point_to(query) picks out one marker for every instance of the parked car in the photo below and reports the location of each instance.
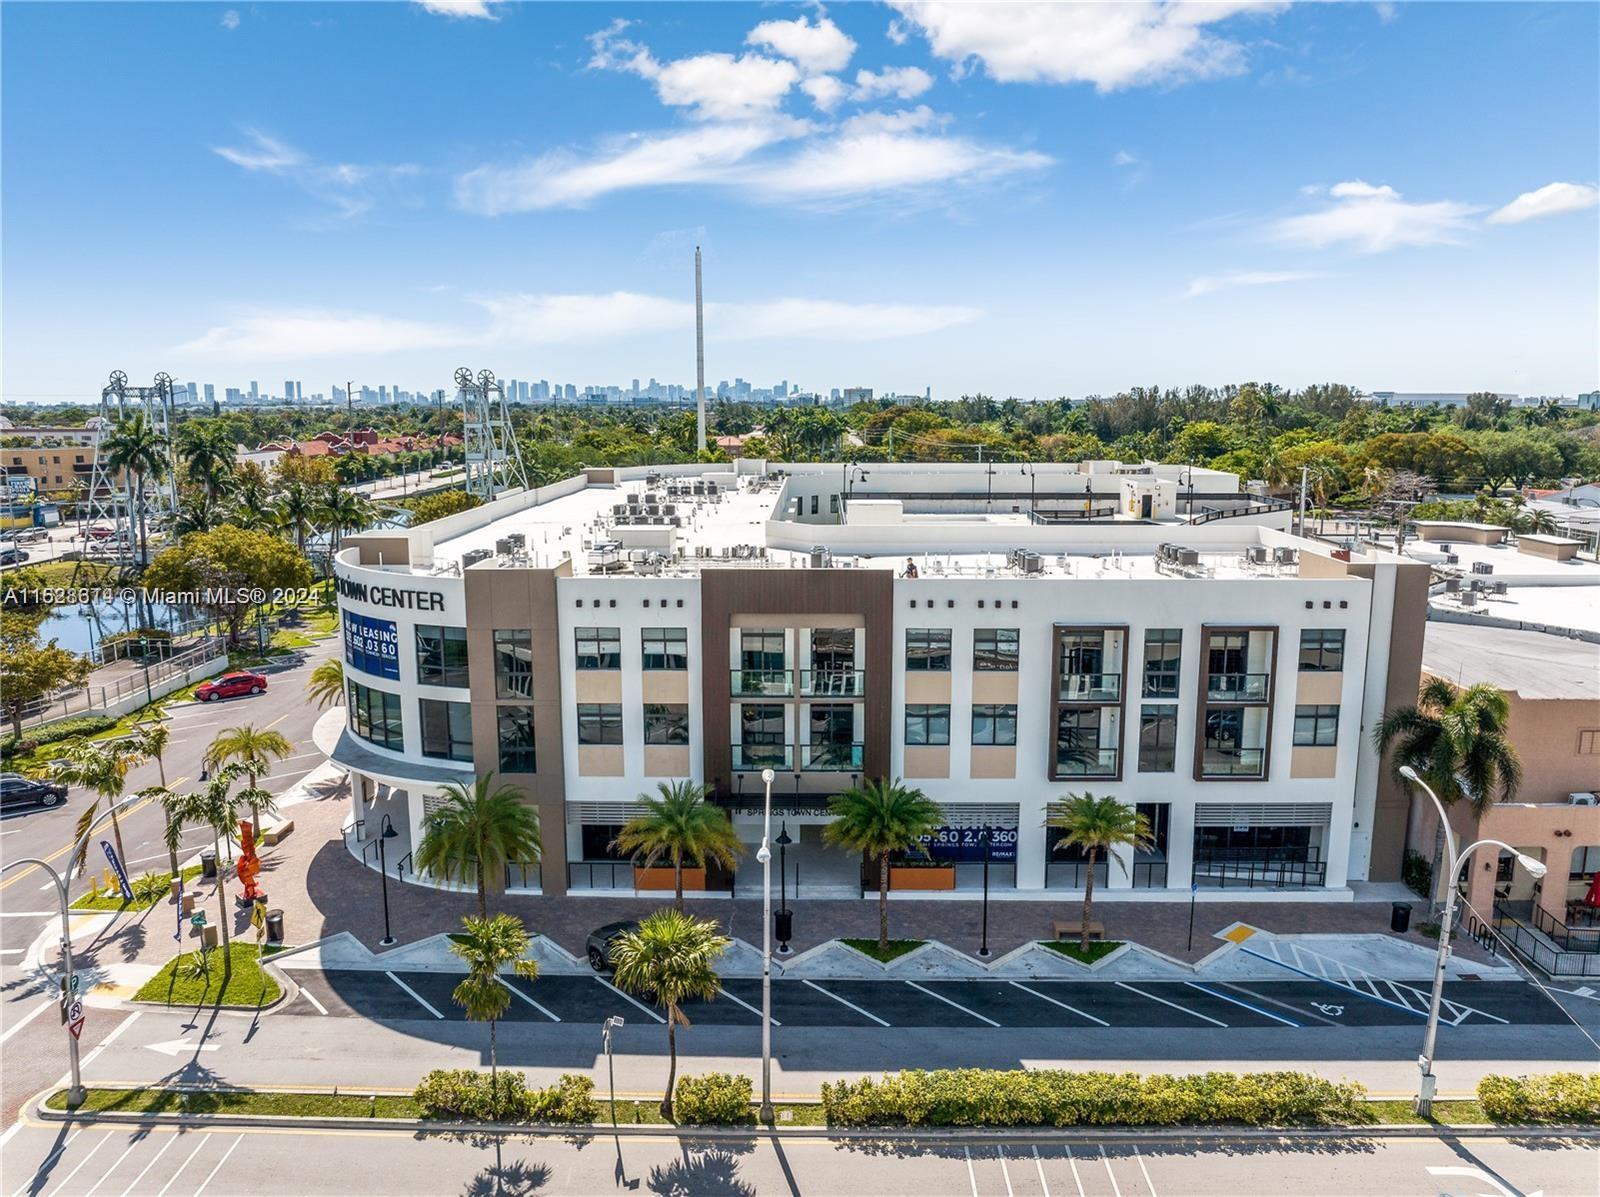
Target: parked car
(31, 535)
(600, 941)
(12, 556)
(101, 532)
(231, 685)
(17, 790)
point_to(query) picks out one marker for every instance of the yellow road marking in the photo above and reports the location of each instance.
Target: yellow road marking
(1239, 934)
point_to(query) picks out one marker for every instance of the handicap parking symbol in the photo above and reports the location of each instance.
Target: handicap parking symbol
(1331, 1011)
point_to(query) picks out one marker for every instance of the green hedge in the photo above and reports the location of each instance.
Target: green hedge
(716, 1099)
(1557, 1097)
(463, 1093)
(1048, 1097)
(65, 729)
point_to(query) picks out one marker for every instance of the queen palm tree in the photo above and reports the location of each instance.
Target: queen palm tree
(488, 946)
(326, 686)
(1097, 825)
(101, 767)
(669, 960)
(253, 751)
(477, 831)
(879, 818)
(680, 826)
(137, 447)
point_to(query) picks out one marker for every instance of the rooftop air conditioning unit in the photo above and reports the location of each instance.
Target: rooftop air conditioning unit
(819, 557)
(503, 547)
(517, 540)
(473, 556)
(1582, 799)
(1452, 585)
(1452, 558)
(1032, 563)
(1285, 555)
(1483, 567)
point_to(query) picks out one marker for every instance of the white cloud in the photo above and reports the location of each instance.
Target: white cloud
(351, 188)
(461, 9)
(1206, 284)
(1373, 219)
(713, 86)
(297, 333)
(817, 47)
(1109, 45)
(1123, 158)
(1555, 199)
(825, 91)
(262, 153)
(904, 83)
(230, 19)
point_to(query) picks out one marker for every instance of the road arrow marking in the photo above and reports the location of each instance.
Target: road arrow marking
(173, 1047)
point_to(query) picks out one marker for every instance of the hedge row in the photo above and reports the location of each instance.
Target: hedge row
(1048, 1097)
(463, 1093)
(1558, 1097)
(716, 1099)
(65, 729)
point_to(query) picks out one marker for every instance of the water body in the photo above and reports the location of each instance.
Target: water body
(79, 627)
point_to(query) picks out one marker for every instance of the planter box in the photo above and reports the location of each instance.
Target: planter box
(661, 879)
(922, 879)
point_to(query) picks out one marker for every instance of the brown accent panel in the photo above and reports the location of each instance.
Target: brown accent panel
(380, 550)
(992, 686)
(1056, 704)
(1316, 687)
(927, 760)
(1205, 685)
(1306, 760)
(992, 760)
(727, 593)
(522, 598)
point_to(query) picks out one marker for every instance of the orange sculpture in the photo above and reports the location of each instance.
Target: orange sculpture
(248, 866)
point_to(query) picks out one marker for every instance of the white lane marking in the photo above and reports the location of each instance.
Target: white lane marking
(28, 914)
(630, 998)
(1477, 1174)
(422, 1001)
(515, 992)
(1063, 1005)
(756, 1010)
(1106, 1160)
(852, 1005)
(27, 1018)
(171, 1139)
(972, 1177)
(1271, 1001)
(13, 1129)
(15, 951)
(49, 1159)
(47, 885)
(1004, 1171)
(948, 1002)
(101, 1142)
(1134, 989)
(1216, 993)
(204, 1139)
(311, 997)
(1145, 1172)
(106, 1042)
(229, 1152)
(1071, 1159)
(106, 1175)
(1044, 1185)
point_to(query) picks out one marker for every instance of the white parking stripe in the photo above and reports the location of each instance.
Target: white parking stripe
(1242, 1005)
(311, 997)
(106, 1175)
(49, 1159)
(515, 992)
(629, 998)
(1055, 1002)
(229, 1152)
(104, 1139)
(852, 1005)
(1145, 1172)
(1217, 1022)
(171, 1139)
(972, 1177)
(204, 1139)
(1071, 1159)
(948, 1002)
(756, 1010)
(1004, 1171)
(422, 1001)
(27, 1018)
(1044, 1185)
(1106, 1160)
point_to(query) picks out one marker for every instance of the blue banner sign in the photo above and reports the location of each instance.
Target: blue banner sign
(371, 645)
(116, 867)
(966, 844)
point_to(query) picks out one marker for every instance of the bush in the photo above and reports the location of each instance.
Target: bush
(427, 508)
(63, 729)
(1049, 1097)
(463, 1093)
(716, 1099)
(1558, 1097)
(1417, 872)
(570, 1099)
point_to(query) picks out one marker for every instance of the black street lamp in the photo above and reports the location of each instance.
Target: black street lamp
(386, 832)
(785, 923)
(983, 838)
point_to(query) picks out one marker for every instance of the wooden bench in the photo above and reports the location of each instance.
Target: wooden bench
(1064, 929)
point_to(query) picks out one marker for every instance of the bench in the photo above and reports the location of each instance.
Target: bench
(273, 832)
(1064, 929)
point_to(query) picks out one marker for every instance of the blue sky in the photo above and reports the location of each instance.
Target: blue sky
(1029, 200)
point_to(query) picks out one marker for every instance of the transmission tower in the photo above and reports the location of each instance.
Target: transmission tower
(110, 499)
(494, 460)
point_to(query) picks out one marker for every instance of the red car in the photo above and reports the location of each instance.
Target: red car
(231, 685)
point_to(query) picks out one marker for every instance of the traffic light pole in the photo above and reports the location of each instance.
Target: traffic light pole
(75, 1092)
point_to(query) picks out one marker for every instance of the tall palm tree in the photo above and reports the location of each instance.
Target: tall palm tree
(669, 960)
(488, 946)
(253, 751)
(208, 457)
(680, 826)
(151, 739)
(345, 511)
(296, 510)
(1097, 825)
(477, 831)
(101, 767)
(137, 447)
(879, 818)
(326, 686)
(212, 807)
(197, 512)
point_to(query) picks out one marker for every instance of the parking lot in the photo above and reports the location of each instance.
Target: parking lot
(400, 996)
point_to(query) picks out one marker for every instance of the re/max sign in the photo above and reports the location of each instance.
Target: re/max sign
(390, 596)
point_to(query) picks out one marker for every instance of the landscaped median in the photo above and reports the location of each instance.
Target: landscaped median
(1045, 1099)
(197, 979)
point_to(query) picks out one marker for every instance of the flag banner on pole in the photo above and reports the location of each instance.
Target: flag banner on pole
(116, 867)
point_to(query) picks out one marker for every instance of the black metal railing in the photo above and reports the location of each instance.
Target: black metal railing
(401, 865)
(1149, 874)
(1261, 507)
(1086, 762)
(751, 757)
(758, 683)
(1090, 687)
(1232, 762)
(600, 874)
(1568, 939)
(833, 683)
(519, 871)
(1258, 868)
(1542, 954)
(1237, 687)
(1072, 874)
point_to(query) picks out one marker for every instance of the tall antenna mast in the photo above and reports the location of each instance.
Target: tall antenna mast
(699, 361)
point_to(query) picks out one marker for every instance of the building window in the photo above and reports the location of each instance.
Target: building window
(1321, 650)
(1158, 738)
(1589, 741)
(375, 717)
(761, 650)
(599, 723)
(813, 504)
(446, 729)
(994, 723)
(927, 724)
(994, 650)
(1585, 863)
(928, 649)
(599, 648)
(1316, 726)
(515, 730)
(666, 723)
(665, 648)
(1163, 658)
(513, 663)
(441, 655)
(833, 504)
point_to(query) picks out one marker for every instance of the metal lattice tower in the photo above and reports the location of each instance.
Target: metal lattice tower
(490, 442)
(115, 503)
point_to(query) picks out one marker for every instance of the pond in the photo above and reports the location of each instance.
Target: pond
(79, 627)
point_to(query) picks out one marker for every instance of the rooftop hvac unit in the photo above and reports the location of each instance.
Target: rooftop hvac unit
(1258, 554)
(1445, 548)
(473, 556)
(1499, 588)
(1581, 799)
(1032, 563)
(819, 557)
(517, 540)
(1188, 557)
(1469, 598)
(1452, 558)
(503, 547)
(1452, 585)
(1482, 567)
(1284, 555)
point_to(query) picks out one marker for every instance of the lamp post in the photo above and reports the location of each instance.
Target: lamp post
(851, 473)
(614, 1023)
(75, 1094)
(764, 855)
(1033, 492)
(1428, 1082)
(983, 838)
(783, 841)
(386, 831)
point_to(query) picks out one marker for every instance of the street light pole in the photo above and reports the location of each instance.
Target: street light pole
(611, 1024)
(75, 1094)
(764, 855)
(983, 838)
(386, 831)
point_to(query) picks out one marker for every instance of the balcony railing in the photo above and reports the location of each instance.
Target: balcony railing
(833, 683)
(831, 758)
(1091, 687)
(1149, 874)
(776, 683)
(748, 757)
(600, 874)
(1232, 762)
(1071, 874)
(1086, 762)
(1259, 868)
(1237, 687)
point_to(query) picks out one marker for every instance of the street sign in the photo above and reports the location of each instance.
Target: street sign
(258, 920)
(74, 1017)
(76, 1027)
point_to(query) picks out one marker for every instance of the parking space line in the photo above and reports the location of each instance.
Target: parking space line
(1244, 1005)
(310, 997)
(420, 999)
(106, 1175)
(1005, 1173)
(972, 1177)
(229, 1152)
(948, 1002)
(1116, 1189)
(515, 992)
(852, 1005)
(1076, 1179)
(1143, 1171)
(171, 1139)
(1054, 1002)
(629, 998)
(1272, 1001)
(104, 1139)
(753, 1009)
(1038, 1163)
(1216, 1022)
(49, 1159)
(173, 1178)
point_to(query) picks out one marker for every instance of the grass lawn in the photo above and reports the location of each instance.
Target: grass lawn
(1447, 1113)
(159, 890)
(243, 1101)
(248, 986)
(1072, 950)
(897, 948)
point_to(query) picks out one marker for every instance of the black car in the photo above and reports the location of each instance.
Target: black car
(12, 556)
(17, 790)
(600, 941)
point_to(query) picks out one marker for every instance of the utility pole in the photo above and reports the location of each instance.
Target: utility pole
(350, 405)
(699, 361)
(1305, 474)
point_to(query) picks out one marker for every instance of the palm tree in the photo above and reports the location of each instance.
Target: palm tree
(211, 807)
(326, 686)
(345, 511)
(296, 511)
(137, 447)
(208, 458)
(101, 767)
(253, 751)
(681, 826)
(879, 818)
(670, 960)
(151, 739)
(489, 945)
(477, 831)
(1097, 825)
(198, 512)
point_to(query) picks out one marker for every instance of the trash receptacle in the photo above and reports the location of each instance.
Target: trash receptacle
(208, 863)
(783, 925)
(1400, 917)
(275, 926)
